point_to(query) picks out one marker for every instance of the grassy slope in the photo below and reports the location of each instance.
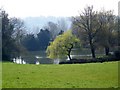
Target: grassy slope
(97, 75)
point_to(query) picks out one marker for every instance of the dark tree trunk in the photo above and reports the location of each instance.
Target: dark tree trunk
(69, 51)
(107, 50)
(92, 51)
(69, 57)
(92, 46)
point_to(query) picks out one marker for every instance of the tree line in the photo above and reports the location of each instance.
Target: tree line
(95, 30)
(17, 41)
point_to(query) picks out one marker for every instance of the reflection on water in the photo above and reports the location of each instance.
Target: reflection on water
(38, 57)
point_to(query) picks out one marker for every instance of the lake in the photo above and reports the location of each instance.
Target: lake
(40, 57)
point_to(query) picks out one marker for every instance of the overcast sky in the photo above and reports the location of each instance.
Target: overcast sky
(33, 8)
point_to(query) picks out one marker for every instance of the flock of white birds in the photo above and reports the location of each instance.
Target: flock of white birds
(19, 60)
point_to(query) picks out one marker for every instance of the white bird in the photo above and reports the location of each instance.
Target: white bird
(37, 63)
(56, 61)
(23, 62)
(17, 60)
(14, 60)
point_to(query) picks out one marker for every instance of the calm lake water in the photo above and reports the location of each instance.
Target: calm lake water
(40, 57)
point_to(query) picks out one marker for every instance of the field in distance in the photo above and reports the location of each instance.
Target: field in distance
(93, 75)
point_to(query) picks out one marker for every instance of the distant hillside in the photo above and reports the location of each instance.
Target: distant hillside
(33, 22)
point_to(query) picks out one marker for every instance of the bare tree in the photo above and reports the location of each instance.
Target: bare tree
(62, 24)
(19, 32)
(19, 28)
(87, 24)
(107, 31)
(53, 28)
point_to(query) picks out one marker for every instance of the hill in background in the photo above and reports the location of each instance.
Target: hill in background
(32, 23)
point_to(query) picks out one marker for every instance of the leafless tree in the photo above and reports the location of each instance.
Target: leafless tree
(87, 26)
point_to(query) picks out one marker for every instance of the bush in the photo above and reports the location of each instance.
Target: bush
(117, 54)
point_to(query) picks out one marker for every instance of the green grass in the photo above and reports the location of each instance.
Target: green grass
(94, 75)
(0, 74)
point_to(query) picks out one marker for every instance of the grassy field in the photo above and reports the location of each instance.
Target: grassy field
(94, 75)
(0, 74)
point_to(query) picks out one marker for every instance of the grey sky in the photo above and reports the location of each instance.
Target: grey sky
(33, 8)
